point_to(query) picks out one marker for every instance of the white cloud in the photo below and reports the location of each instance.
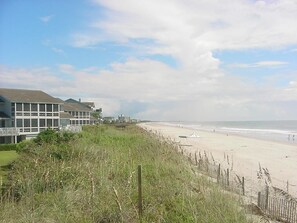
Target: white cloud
(188, 32)
(85, 40)
(58, 50)
(165, 93)
(260, 64)
(47, 18)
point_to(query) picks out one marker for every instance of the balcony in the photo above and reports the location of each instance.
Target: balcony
(9, 131)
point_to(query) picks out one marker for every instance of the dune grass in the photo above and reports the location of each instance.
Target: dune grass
(93, 178)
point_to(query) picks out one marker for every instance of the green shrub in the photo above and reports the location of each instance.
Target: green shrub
(24, 145)
(7, 147)
(53, 137)
(47, 136)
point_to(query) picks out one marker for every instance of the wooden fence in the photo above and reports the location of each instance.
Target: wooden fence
(279, 206)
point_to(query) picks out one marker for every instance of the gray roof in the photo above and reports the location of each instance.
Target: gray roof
(65, 115)
(35, 96)
(89, 103)
(76, 107)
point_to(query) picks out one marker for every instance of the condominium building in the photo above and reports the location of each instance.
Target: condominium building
(25, 113)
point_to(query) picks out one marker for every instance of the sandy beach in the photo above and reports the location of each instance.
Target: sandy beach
(244, 153)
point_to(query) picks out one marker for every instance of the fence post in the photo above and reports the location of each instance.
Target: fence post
(266, 198)
(139, 193)
(1, 183)
(196, 161)
(228, 177)
(219, 172)
(190, 158)
(259, 199)
(243, 191)
(287, 186)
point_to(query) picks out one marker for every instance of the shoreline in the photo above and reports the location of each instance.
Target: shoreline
(247, 153)
(251, 135)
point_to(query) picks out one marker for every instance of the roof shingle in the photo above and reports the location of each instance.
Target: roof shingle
(27, 96)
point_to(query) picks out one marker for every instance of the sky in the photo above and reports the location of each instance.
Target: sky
(168, 60)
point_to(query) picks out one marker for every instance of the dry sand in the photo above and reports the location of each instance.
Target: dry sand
(279, 158)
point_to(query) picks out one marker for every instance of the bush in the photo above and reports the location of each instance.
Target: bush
(24, 145)
(53, 137)
(47, 136)
(7, 147)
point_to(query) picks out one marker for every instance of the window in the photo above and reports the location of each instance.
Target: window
(19, 123)
(49, 122)
(41, 122)
(49, 107)
(19, 107)
(26, 107)
(33, 107)
(56, 108)
(26, 122)
(42, 107)
(34, 122)
(56, 122)
(12, 107)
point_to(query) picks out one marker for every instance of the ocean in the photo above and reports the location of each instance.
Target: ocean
(282, 131)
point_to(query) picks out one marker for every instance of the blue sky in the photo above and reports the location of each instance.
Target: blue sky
(167, 60)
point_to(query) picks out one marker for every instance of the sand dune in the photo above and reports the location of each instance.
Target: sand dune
(279, 158)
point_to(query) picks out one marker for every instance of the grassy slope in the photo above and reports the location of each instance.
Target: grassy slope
(6, 157)
(94, 180)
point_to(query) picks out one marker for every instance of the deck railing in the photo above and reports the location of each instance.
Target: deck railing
(9, 131)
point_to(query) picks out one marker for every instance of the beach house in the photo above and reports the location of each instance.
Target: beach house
(25, 113)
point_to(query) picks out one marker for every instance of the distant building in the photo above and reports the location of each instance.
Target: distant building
(109, 119)
(25, 113)
(123, 119)
(81, 113)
